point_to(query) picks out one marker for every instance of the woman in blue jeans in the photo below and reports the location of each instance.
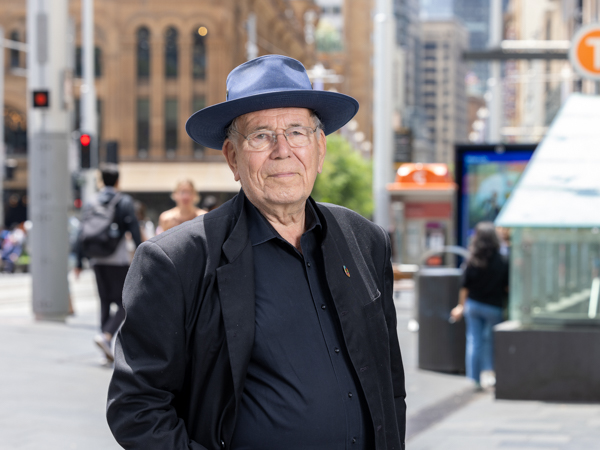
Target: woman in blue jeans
(485, 285)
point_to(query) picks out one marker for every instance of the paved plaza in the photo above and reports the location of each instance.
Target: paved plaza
(53, 388)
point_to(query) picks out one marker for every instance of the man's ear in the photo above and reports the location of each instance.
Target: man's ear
(322, 146)
(231, 158)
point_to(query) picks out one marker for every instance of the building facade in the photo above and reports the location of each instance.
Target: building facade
(155, 65)
(444, 90)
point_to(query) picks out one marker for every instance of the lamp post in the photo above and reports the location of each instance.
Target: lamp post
(383, 112)
(48, 142)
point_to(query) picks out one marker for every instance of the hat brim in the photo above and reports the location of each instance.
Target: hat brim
(207, 126)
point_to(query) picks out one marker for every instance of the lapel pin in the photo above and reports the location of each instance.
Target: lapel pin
(346, 271)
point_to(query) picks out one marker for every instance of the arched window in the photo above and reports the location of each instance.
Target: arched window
(171, 53)
(143, 53)
(199, 54)
(15, 55)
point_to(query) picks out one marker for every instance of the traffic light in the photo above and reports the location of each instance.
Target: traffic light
(41, 99)
(85, 144)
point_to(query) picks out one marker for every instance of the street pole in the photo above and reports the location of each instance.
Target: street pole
(383, 111)
(2, 151)
(48, 142)
(495, 82)
(251, 47)
(89, 124)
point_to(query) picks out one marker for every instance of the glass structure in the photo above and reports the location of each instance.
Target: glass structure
(554, 217)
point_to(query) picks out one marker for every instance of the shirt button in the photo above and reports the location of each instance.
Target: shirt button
(354, 440)
(337, 350)
(308, 264)
(323, 307)
(350, 394)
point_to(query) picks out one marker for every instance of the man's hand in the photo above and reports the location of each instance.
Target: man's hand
(76, 272)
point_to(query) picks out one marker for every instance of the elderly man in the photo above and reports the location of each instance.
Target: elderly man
(267, 324)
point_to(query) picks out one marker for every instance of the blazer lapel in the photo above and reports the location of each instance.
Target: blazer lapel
(236, 293)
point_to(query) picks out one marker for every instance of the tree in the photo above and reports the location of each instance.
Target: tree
(346, 179)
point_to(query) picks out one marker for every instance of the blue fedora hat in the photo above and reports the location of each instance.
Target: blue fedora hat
(272, 81)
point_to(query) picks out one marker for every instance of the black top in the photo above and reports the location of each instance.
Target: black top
(489, 284)
(301, 391)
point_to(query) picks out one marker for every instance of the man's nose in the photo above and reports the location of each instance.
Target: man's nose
(281, 147)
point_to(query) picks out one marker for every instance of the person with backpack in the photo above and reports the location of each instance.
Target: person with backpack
(102, 241)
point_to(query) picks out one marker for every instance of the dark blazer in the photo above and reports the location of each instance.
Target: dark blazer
(182, 353)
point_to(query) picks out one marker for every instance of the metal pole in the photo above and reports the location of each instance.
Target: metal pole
(251, 47)
(383, 112)
(89, 121)
(2, 151)
(48, 141)
(495, 82)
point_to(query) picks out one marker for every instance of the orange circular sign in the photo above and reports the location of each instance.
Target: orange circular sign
(585, 52)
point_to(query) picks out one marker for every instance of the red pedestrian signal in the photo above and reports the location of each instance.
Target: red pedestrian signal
(41, 99)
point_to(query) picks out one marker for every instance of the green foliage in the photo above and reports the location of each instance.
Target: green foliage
(346, 179)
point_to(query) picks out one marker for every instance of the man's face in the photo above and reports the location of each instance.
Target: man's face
(278, 175)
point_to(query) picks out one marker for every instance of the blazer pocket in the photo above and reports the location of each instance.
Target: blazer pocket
(374, 306)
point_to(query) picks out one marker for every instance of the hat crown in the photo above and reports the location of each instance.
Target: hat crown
(270, 73)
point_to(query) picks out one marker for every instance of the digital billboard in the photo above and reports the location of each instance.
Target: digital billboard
(486, 176)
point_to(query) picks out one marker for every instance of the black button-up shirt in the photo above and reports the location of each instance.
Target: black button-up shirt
(301, 391)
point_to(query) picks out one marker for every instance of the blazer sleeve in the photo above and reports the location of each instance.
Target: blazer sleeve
(395, 354)
(150, 357)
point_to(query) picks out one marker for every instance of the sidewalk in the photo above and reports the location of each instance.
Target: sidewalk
(53, 389)
(52, 382)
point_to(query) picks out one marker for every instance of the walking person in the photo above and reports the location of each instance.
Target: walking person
(268, 323)
(107, 251)
(186, 198)
(481, 298)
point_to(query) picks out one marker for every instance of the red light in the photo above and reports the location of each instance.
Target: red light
(40, 99)
(85, 140)
(77, 203)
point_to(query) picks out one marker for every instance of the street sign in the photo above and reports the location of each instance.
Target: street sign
(585, 51)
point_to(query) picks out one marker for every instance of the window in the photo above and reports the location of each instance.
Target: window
(15, 55)
(199, 55)
(171, 127)
(97, 62)
(171, 52)
(143, 53)
(143, 127)
(198, 103)
(430, 45)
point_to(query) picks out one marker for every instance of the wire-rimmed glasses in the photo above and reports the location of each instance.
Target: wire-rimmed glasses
(264, 139)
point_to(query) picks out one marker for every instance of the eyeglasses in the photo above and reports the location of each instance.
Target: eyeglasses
(263, 139)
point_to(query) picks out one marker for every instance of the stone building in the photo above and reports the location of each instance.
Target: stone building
(156, 63)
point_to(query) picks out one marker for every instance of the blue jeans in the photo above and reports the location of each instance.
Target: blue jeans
(480, 319)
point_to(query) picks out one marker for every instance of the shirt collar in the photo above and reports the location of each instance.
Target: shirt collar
(260, 230)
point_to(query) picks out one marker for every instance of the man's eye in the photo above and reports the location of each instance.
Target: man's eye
(261, 136)
(297, 133)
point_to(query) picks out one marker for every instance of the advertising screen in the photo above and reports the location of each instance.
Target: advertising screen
(486, 177)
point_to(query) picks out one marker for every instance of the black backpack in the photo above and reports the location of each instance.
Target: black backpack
(100, 234)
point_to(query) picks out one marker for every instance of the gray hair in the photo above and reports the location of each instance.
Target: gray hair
(232, 127)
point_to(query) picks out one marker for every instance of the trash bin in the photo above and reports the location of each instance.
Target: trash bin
(441, 342)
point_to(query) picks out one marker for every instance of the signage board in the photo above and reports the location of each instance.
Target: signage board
(585, 51)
